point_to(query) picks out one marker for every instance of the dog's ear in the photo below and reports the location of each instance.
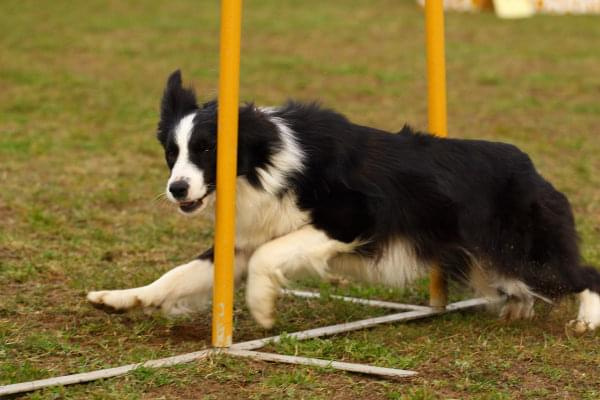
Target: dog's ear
(177, 102)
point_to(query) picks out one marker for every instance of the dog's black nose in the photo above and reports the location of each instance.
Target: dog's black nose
(179, 189)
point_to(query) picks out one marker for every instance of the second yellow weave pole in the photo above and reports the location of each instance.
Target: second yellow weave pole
(438, 121)
(228, 112)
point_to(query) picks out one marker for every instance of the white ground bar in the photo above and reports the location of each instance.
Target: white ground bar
(343, 366)
(366, 302)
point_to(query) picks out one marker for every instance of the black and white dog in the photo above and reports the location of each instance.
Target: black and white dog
(318, 193)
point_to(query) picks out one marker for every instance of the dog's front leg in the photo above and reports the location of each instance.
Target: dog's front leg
(183, 290)
(278, 260)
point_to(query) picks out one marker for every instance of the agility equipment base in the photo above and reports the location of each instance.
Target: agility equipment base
(247, 349)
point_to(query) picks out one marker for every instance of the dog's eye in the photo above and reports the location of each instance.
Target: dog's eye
(171, 156)
(206, 148)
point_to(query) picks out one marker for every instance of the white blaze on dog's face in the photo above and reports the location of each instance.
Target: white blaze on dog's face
(188, 135)
(186, 185)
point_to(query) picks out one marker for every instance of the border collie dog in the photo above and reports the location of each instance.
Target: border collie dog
(317, 193)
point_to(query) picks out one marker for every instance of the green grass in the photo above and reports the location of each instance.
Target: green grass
(80, 171)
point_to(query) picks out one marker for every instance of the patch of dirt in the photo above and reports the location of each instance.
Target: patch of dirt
(6, 214)
(194, 332)
(7, 253)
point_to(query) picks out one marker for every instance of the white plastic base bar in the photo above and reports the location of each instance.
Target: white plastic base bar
(364, 323)
(366, 302)
(101, 374)
(343, 366)
(249, 345)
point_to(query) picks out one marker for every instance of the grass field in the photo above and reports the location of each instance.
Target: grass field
(80, 171)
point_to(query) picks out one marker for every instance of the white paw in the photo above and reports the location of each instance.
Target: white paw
(150, 300)
(515, 309)
(264, 319)
(118, 300)
(588, 317)
(580, 327)
(261, 293)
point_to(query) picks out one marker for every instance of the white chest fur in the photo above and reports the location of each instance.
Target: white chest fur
(262, 216)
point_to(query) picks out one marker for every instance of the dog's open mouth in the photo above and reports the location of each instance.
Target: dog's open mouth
(190, 206)
(193, 205)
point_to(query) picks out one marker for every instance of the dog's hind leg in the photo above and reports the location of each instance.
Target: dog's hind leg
(183, 290)
(564, 279)
(542, 245)
(518, 298)
(557, 268)
(273, 263)
(588, 317)
(557, 279)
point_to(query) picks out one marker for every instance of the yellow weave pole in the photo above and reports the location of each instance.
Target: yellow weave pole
(436, 67)
(229, 87)
(438, 121)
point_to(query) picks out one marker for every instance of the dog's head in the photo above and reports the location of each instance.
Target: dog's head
(187, 133)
